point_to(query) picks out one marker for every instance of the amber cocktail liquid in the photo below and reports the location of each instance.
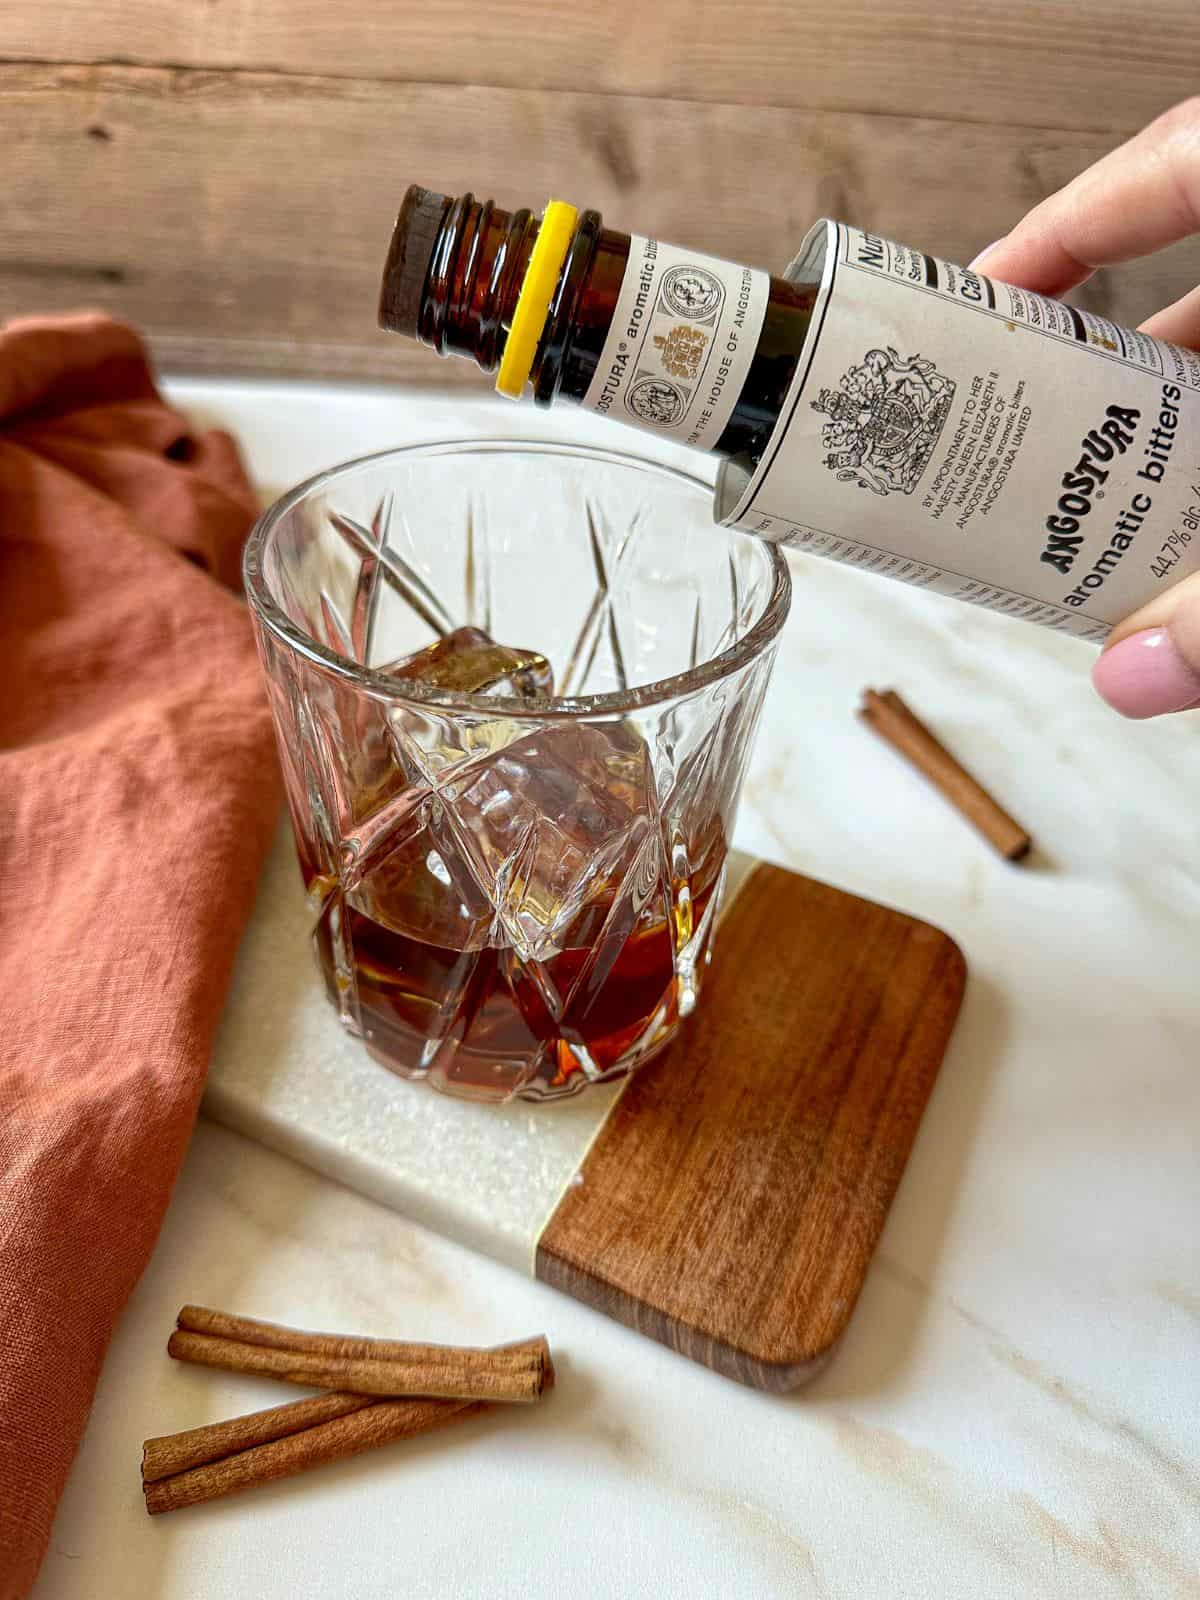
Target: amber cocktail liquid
(581, 959)
(513, 855)
(498, 1013)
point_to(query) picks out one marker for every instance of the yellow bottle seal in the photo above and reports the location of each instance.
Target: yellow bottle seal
(533, 303)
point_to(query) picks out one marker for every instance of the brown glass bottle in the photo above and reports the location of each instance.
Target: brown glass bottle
(877, 405)
(455, 270)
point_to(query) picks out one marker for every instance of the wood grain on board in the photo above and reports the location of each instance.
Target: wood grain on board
(241, 218)
(730, 1204)
(1102, 65)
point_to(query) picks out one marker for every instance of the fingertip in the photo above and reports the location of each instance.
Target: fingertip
(979, 263)
(1146, 675)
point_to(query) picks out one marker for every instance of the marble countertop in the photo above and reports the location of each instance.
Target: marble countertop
(1015, 1410)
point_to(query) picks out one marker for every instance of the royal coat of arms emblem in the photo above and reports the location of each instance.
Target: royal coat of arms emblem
(884, 421)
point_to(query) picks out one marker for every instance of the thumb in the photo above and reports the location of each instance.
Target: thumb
(1151, 661)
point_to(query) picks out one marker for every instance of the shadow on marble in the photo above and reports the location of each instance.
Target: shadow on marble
(575, 1398)
(355, 1473)
(1038, 860)
(276, 986)
(878, 1343)
(145, 1564)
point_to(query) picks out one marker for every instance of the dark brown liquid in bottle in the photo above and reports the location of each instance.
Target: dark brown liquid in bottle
(455, 271)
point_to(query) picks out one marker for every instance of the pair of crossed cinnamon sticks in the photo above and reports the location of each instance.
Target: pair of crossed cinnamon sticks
(382, 1390)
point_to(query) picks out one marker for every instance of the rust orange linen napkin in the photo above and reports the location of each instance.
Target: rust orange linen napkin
(138, 793)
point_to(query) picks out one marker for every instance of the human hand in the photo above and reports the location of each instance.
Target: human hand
(1137, 199)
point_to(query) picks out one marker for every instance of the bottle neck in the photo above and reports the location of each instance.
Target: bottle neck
(476, 269)
(468, 298)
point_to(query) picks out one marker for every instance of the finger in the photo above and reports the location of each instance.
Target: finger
(1137, 199)
(1151, 662)
(1178, 323)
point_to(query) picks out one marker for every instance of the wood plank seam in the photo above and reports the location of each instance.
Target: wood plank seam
(235, 219)
(284, 79)
(1032, 63)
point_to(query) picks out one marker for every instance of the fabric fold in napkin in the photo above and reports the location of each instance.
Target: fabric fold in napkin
(138, 793)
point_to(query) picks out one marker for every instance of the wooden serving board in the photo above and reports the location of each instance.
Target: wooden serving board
(725, 1201)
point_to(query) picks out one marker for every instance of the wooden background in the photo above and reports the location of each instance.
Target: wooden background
(225, 172)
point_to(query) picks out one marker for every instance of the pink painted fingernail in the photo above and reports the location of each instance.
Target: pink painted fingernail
(985, 252)
(1145, 675)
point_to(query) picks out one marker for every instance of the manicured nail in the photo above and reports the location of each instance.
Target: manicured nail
(1145, 675)
(985, 252)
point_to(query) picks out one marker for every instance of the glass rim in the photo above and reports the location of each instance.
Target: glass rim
(415, 691)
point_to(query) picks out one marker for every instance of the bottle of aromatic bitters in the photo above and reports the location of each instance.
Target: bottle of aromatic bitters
(872, 404)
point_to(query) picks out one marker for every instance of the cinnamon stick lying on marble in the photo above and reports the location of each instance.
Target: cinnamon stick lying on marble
(353, 1347)
(887, 715)
(172, 1453)
(371, 1424)
(188, 1468)
(513, 1375)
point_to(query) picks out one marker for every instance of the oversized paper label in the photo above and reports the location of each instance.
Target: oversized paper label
(978, 440)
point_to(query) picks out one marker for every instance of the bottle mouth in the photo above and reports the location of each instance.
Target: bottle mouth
(409, 258)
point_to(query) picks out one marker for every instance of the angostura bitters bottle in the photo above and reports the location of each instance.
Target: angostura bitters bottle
(872, 404)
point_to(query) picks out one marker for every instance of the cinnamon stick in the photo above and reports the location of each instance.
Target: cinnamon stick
(887, 715)
(516, 1375)
(171, 1453)
(374, 1424)
(274, 1336)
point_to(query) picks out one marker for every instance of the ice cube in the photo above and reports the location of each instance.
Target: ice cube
(471, 662)
(543, 856)
(556, 821)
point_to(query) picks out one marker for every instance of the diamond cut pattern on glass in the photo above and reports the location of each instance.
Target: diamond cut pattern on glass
(511, 901)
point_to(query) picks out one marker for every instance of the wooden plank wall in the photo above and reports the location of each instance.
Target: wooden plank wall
(225, 172)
